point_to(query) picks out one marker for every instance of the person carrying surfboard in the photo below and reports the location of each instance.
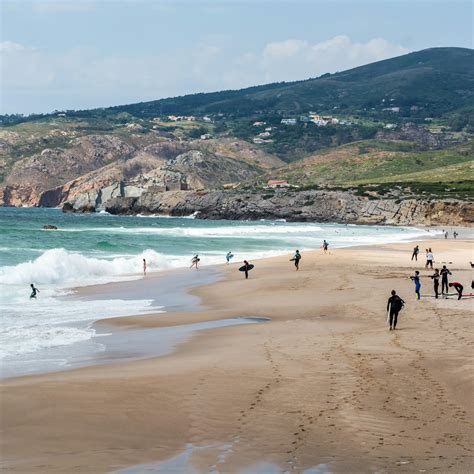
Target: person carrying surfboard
(325, 246)
(194, 262)
(296, 258)
(394, 306)
(246, 268)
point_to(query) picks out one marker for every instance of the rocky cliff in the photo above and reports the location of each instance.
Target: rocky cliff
(320, 206)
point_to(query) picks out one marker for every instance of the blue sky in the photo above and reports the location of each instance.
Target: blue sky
(66, 54)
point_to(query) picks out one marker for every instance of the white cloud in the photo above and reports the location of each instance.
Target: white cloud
(296, 59)
(34, 80)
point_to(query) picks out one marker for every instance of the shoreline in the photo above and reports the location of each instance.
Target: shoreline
(323, 382)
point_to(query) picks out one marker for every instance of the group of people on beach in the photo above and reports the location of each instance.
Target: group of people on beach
(436, 277)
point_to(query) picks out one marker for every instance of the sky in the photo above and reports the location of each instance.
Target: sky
(80, 54)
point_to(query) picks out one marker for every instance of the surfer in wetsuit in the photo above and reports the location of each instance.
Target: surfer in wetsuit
(415, 253)
(34, 291)
(458, 287)
(416, 280)
(247, 268)
(435, 277)
(228, 257)
(394, 306)
(297, 258)
(444, 279)
(144, 267)
(195, 261)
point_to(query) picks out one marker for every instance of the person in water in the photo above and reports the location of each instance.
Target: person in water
(415, 253)
(435, 277)
(458, 287)
(416, 280)
(144, 267)
(325, 246)
(246, 269)
(195, 261)
(455, 234)
(394, 306)
(34, 291)
(429, 259)
(228, 257)
(444, 279)
(297, 258)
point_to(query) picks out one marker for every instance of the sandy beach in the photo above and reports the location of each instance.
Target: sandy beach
(323, 386)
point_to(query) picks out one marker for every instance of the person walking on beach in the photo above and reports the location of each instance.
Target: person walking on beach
(297, 258)
(415, 253)
(394, 306)
(435, 277)
(446, 235)
(144, 267)
(325, 246)
(195, 261)
(416, 280)
(458, 287)
(34, 291)
(246, 269)
(444, 279)
(455, 234)
(228, 257)
(429, 259)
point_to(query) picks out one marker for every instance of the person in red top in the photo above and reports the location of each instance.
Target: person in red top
(458, 287)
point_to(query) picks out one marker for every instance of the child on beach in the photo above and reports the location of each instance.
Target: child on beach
(444, 279)
(325, 246)
(429, 259)
(435, 277)
(416, 280)
(458, 287)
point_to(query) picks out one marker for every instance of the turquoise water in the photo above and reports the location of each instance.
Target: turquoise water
(99, 248)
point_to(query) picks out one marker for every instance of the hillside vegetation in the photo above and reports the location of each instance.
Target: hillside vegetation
(407, 120)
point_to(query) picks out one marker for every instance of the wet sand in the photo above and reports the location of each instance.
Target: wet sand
(324, 383)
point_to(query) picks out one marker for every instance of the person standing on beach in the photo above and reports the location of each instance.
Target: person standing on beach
(444, 279)
(394, 306)
(144, 267)
(297, 258)
(246, 269)
(34, 291)
(458, 287)
(446, 235)
(416, 280)
(435, 278)
(325, 246)
(415, 253)
(195, 261)
(455, 234)
(429, 259)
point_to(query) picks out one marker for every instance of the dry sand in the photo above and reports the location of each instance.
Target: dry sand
(323, 383)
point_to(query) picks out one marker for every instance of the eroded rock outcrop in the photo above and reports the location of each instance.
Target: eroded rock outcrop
(320, 206)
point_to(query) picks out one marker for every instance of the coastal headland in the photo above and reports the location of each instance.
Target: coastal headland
(324, 385)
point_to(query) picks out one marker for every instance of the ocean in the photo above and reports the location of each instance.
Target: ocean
(99, 248)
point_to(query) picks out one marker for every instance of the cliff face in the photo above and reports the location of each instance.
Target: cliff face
(334, 206)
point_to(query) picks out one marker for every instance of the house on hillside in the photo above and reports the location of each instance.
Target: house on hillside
(288, 121)
(277, 183)
(206, 136)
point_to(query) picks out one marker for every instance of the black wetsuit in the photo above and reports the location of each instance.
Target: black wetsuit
(435, 278)
(444, 279)
(34, 291)
(247, 265)
(297, 258)
(415, 253)
(394, 305)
